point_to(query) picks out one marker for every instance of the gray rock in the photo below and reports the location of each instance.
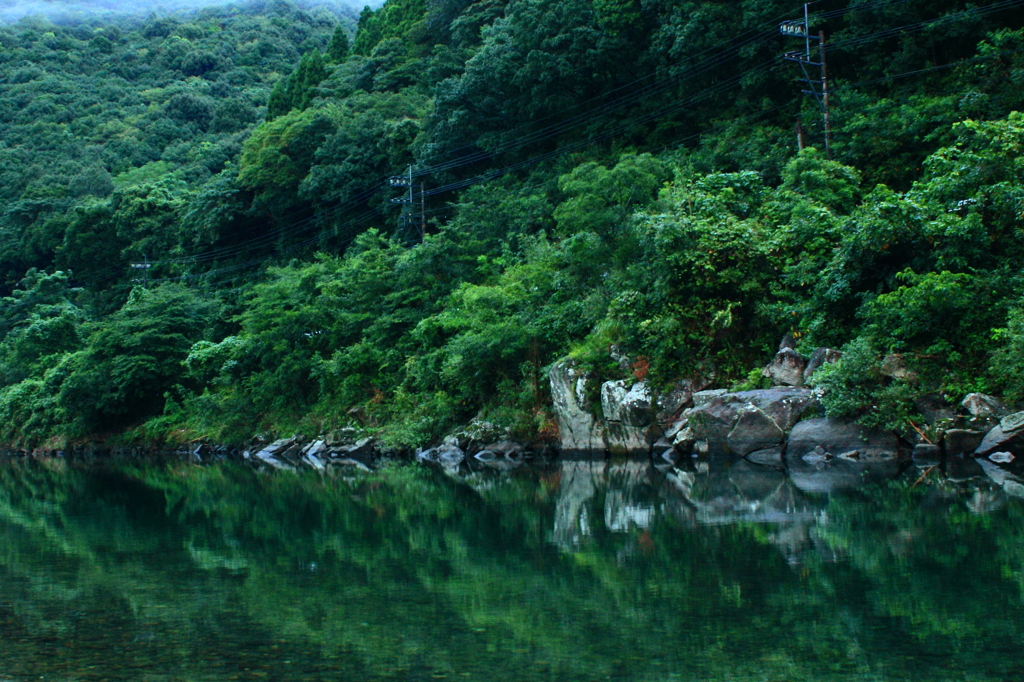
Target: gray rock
(671, 403)
(786, 369)
(578, 430)
(788, 341)
(961, 441)
(820, 357)
(927, 455)
(674, 428)
(445, 456)
(767, 415)
(269, 455)
(1012, 423)
(983, 405)
(684, 440)
(702, 398)
(713, 420)
(784, 405)
(315, 448)
(753, 430)
(629, 417)
(998, 439)
(1002, 457)
(628, 406)
(834, 436)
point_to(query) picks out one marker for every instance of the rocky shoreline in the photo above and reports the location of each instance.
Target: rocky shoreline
(781, 428)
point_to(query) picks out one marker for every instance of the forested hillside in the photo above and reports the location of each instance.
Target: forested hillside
(207, 226)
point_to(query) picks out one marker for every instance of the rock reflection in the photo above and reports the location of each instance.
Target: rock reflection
(538, 572)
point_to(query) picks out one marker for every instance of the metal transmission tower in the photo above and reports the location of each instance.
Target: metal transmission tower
(407, 201)
(802, 29)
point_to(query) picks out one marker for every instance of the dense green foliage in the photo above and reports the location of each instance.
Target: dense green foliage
(592, 173)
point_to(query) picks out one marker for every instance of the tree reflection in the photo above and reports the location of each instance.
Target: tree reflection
(583, 570)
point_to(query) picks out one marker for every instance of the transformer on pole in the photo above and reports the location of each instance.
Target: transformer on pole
(819, 87)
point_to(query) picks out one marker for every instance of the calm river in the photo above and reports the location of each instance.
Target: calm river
(578, 570)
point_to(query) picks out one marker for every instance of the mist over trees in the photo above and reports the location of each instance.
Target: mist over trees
(198, 234)
(63, 11)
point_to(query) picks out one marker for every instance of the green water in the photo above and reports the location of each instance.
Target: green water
(577, 571)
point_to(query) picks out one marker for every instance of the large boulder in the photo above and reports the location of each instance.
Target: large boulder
(1008, 435)
(784, 405)
(747, 421)
(824, 455)
(833, 438)
(578, 430)
(753, 430)
(984, 405)
(671, 403)
(627, 404)
(786, 368)
(629, 417)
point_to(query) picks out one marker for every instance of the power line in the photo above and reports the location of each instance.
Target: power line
(656, 87)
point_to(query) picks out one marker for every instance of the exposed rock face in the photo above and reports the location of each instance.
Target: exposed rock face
(786, 369)
(673, 402)
(983, 405)
(713, 420)
(702, 398)
(578, 430)
(629, 417)
(748, 420)
(753, 430)
(784, 405)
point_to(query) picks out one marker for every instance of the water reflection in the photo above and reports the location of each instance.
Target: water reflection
(581, 569)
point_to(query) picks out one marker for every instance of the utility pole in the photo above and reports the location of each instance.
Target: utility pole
(406, 201)
(145, 265)
(819, 87)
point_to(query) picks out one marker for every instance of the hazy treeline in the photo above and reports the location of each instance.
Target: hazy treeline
(91, 11)
(198, 237)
